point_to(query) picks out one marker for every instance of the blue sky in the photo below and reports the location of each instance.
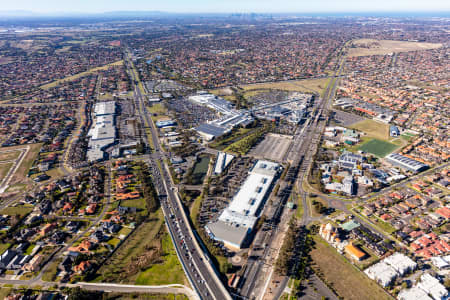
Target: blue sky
(226, 5)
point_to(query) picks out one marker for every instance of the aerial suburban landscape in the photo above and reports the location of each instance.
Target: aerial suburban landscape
(256, 156)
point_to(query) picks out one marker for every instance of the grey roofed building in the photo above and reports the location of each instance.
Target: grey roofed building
(105, 108)
(350, 160)
(103, 132)
(210, 131)
(239, 218)
(406, 162)
(231, 235)
(7, 257)
(394, 131)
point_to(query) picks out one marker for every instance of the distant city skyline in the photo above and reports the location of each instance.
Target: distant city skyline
(230, 6)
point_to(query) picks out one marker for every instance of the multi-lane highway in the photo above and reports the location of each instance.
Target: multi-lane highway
(196, 263)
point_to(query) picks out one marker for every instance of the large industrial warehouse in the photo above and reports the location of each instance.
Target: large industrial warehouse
(405, 163)
(103, 132)
(239, 218)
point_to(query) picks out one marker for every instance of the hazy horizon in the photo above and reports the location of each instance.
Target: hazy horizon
(231, 6)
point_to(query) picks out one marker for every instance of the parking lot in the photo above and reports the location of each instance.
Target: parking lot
(343, 118)
(190, 114)
(273, 147)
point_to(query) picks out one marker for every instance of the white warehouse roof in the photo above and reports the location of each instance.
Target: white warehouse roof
(381, 273)
(428, 288)
(243, 211)
(432, 287)
(105, 108)
(400, 262)
(223, 160)
(389, 268)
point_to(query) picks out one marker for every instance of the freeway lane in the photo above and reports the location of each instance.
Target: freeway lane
(196, 264)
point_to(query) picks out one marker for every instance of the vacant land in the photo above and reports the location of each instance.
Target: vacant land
(79, 75)
(21, 210)
(4, 292)
(4, 247)
(345, 279)
(273, 147)
(373, 129)
(9, 155)
(169, 271)
(138, 258)
(4, 169)
(157, 108)
(378, 147)
(364, 47)
(306, 86)
(26, 164)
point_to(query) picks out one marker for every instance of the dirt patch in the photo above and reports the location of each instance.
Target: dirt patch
(365, 47)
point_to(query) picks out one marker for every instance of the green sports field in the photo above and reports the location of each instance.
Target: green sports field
(378, 147)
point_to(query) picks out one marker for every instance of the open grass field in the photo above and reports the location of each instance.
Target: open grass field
(76, 76)
(244, 145)
(50, 273)
(364, 47)
(170, 271)
(378, 147)
(142, 296)
(4, 247)
(4, 168)
(9, 155)
(138, 203)
(4, 292)
(157, 108)
(16, 210)
(195, 208)
(372, 128)
(117, 268)
(26, 164)
(346, 279)
(306, 86)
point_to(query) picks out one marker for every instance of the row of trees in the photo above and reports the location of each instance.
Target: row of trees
(148, 189)
(294, 258)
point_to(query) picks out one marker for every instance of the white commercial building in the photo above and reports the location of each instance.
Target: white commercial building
(103, 131)
(390, 268)
(239, 218)
(441, 262)
(223, 160)
(105, 108)
(382, 273)
(428, 288)
(401, 263)
(229, 119)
